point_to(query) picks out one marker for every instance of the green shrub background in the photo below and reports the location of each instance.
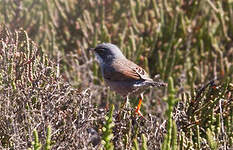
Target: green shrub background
(52, 94)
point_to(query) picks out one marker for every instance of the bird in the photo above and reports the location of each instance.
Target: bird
(122, 75)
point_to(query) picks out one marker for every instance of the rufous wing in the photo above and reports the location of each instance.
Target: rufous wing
(123, 70)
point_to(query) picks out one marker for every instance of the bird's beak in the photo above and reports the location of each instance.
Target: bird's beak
(91, 49)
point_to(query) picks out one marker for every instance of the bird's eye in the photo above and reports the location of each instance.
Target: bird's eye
(100, 51)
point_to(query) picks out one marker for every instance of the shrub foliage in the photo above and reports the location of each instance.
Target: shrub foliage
(52, 94)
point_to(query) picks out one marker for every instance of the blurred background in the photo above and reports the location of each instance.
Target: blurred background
(190, 41)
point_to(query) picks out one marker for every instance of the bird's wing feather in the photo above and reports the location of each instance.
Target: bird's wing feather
(126, 71)
(139, 70)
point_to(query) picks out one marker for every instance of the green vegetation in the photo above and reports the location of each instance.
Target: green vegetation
(170, 139)
(107, 130)
(37, 145)
(48, 76)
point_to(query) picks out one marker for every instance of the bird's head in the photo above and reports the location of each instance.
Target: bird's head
(107, 52)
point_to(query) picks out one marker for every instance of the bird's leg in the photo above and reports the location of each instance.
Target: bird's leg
(139, 105)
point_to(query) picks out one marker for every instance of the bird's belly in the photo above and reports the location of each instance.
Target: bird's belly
(123, 88)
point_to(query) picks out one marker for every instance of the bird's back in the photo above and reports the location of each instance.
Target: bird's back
(125, 77)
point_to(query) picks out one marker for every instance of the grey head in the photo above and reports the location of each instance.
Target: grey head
(107, 52)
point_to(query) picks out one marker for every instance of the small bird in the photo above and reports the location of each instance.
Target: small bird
(122, 75)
